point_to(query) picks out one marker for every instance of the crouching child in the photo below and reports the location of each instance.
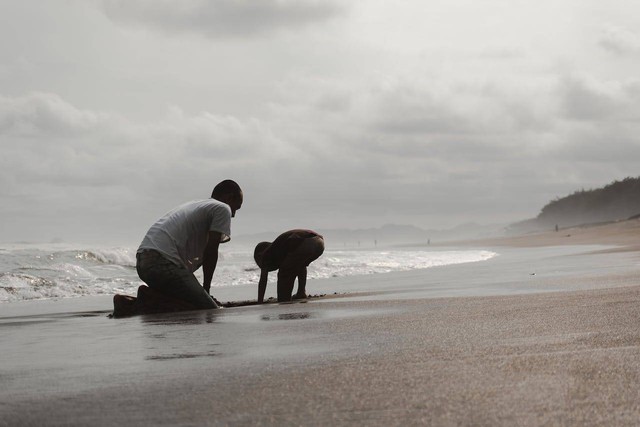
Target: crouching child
(290, 254)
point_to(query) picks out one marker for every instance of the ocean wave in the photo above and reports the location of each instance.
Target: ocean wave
(41, 274)
(345, 263)
(118, 256)
(28, 273)
(19, 287)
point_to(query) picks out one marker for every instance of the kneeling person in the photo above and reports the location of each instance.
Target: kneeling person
(185, 239)
(290, 254)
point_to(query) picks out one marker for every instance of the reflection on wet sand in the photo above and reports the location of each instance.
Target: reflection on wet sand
(181, 318)
(181, 356)
(171, 336)
(287, 316)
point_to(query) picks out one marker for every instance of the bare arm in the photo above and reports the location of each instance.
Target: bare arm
(262, 285)
(210, 259)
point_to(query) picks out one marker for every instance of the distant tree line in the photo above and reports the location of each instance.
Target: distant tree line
(618, 200)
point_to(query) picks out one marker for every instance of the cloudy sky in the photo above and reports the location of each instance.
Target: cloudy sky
(328, 114)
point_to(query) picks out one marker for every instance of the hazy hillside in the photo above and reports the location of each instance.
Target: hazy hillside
(616, 201)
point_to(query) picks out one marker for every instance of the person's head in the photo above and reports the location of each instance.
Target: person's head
(228, 192)
(259, 252)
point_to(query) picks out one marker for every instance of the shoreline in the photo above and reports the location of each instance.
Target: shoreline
(516, 270)
(538, 335)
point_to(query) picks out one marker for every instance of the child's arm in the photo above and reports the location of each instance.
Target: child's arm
(262, 284)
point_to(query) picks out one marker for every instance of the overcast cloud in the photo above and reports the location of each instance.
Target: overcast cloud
(328, 114)
(221, 18)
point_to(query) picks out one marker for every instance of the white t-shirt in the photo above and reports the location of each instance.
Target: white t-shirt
(182, 234)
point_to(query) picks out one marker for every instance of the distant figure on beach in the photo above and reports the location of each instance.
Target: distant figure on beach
(290, 254)
(185, 239)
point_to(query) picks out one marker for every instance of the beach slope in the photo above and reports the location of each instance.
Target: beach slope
(539, 356)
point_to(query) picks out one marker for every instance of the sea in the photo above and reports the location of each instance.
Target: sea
(54, 271)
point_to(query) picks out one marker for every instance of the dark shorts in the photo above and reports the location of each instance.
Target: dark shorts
(170, 279)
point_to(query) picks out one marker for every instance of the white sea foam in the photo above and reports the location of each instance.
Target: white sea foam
(59, 272)
(118, 256)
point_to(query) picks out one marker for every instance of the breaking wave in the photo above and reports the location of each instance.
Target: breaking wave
(29, 272)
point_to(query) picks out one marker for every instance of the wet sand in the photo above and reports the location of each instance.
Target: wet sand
(549, 336)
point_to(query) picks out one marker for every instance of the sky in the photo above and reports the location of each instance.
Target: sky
(329, 114)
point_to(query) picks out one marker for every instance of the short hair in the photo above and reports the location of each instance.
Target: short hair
(226, 187)
(259, 251)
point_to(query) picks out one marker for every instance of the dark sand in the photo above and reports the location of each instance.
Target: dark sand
(558, 347)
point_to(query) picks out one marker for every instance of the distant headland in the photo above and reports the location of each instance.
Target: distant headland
(617, 201)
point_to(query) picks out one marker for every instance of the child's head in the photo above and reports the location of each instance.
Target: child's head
(259, 251)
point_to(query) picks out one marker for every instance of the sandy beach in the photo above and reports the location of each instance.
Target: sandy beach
(546, 333)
